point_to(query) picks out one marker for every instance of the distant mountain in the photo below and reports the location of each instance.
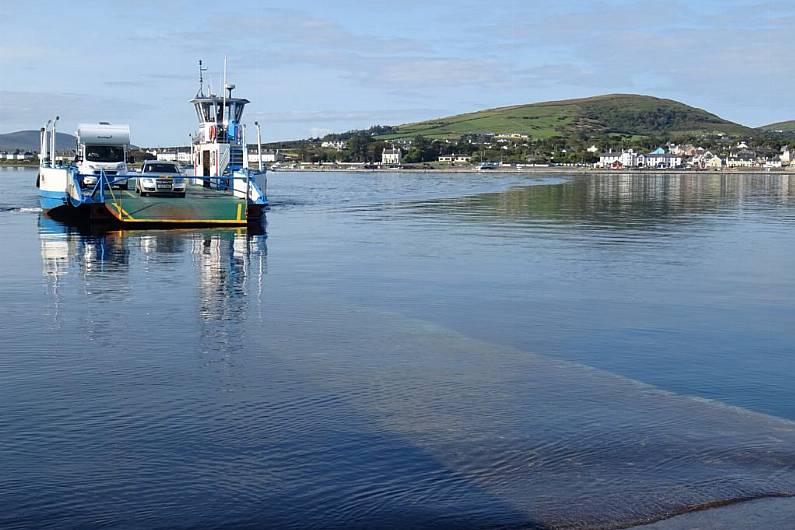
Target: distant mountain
(624, 114)
(782, 126)
(29, 141)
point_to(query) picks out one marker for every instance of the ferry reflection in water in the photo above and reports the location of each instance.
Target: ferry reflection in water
(224, 261)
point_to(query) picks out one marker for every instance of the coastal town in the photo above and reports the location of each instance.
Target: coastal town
(740, 156)
(689, 156)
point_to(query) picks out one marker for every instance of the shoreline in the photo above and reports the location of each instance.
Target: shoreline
(539, 170)
(526, 170)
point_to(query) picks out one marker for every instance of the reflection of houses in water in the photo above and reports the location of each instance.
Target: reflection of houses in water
(676, 191)
(647, 200)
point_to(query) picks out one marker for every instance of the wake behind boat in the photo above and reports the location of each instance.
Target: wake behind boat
(98, 185)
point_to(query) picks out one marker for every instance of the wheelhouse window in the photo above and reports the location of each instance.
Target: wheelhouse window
(104, 153)
(237, 111)
(204, 111)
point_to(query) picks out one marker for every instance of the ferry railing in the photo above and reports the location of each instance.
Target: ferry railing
(223, 183)
(104, 181)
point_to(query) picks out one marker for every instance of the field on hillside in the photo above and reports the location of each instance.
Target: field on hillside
(620, 114)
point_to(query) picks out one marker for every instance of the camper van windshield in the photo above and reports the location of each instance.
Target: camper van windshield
(104, 153)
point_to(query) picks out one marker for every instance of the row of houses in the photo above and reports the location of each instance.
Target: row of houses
(629, 158)
(455, 159)
(16, 156)
(698, 158)
(392, 156)
(184, 157)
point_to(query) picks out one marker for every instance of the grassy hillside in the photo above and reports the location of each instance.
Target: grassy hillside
(625, 114)
(29, 141)
(782, 126)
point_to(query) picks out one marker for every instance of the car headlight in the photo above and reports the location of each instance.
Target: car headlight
(149, 182)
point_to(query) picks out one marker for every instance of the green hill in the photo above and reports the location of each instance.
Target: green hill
(623, 114)
(782, 126)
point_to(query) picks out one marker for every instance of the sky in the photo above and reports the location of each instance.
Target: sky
(310, 68)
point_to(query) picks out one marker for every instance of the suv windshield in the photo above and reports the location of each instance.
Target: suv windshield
(104, 153)
(160, 168)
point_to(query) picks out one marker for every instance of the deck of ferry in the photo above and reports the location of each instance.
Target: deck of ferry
(199, 206)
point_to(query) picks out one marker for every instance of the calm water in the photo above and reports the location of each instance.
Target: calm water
(404, 350)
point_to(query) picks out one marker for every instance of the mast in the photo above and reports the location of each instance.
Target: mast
(223, 95)
(52, 151)
(45, 145)
(41, 145)
(202, 69)
(259, 147)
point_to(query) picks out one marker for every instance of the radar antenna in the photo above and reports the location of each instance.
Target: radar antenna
(202, 69)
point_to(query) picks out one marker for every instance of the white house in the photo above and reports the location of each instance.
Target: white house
(658, 160)
(339, 145)
(183, 156)
(16, 156)
(455, 159)
(269, 156)
(786, 156)
(593, 149)
(626, 158)
(391, 156)
(707, 160)
(512, 136)
(741, 159)
(608, 159)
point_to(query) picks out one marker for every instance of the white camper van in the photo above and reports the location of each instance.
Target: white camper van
(102, 147)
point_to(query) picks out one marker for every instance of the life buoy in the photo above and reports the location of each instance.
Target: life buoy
(212, 133)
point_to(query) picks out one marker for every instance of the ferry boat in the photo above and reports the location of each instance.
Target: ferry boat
(99, 187)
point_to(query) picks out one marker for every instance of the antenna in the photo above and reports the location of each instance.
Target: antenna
(223, 94)
(202, 69)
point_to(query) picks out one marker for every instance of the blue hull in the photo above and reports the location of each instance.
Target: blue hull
(49, 200)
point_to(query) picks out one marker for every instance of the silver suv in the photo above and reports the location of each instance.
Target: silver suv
(160, 177)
